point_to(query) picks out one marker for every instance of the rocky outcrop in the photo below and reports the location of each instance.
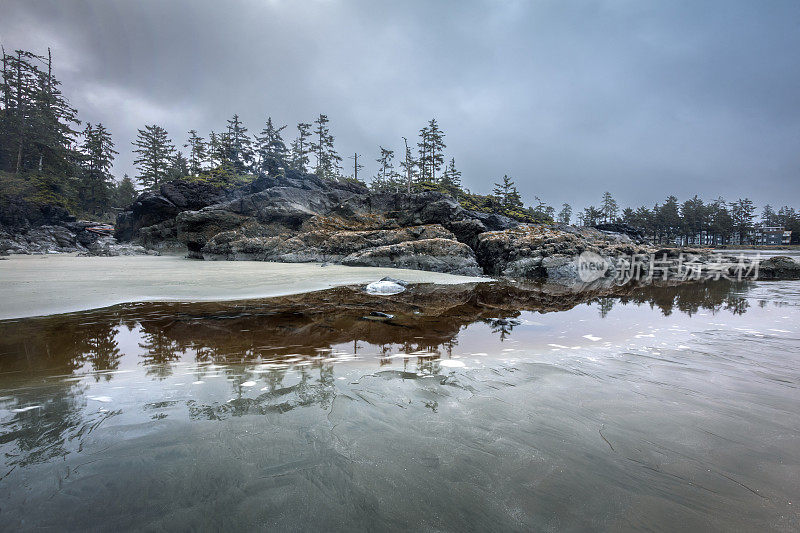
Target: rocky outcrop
(300, 218)
(438, 255)
(174, 197)
(541, 251)
(779, 267)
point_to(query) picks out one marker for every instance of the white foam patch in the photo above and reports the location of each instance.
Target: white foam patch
(449, 363)
(248, 383)
(592, 338)
(24, 409)
(104, 399)
(199, 382)
(643, 335)
(779, 330)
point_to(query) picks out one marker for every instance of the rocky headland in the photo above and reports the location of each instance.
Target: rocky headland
(300, 218)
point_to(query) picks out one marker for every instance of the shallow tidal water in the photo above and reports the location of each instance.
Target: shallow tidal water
(664, 409)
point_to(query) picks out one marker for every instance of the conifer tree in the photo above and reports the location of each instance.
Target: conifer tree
(97, 150)
(431, 151)
(507, 195)
(270, 149)
(565, 214)
(408, 164)
(36, 121)
(451, 178)
(239, 146)
(328, 160)
(124, 192)
(197, 152)
(155, 156)
(301, 147)
(609, 207)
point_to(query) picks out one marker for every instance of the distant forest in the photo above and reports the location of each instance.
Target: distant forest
(48, 156)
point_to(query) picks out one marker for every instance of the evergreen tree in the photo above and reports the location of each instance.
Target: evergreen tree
(197, 152)
(507, 195)
(301, 147)
(36, 121)
(356, 166)
(591, 216)
(768, 216)
(239, 146)
(155, 156)
(271, 149)
(179, 167)
(328, 159)
(431, 151)
(451, 179)
(742, 213)
(98, 153)
(409, 165)
(124, 193)
(565, 214)
(609, 207)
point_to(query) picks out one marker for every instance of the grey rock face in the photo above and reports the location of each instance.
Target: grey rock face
(779, 267)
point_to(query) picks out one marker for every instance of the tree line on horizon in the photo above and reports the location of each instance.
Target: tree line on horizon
(46, 155)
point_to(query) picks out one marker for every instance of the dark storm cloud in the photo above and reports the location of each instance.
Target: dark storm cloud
(640, 98)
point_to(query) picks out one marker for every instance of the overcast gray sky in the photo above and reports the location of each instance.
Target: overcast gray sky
(570, 98)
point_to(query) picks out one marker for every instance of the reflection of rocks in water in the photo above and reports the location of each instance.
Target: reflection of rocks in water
(424, 319)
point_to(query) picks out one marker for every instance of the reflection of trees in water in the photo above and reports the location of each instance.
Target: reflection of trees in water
(161, 350)
(605, 305)
(57, 428)
(314, 387)
(101, 351)
(691, 298)
(503, 326)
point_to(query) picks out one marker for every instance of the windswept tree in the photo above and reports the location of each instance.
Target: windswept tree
(271, 151)
(328, 160)
(565, 214)
(385, 164)
(155, 156)
(301, 148)
(197, 152)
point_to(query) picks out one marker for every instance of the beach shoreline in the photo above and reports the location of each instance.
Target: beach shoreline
(40, 285)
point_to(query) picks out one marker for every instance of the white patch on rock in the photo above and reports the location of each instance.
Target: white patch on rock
(384, 287)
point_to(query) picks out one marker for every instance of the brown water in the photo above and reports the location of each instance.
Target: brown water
(473, 409)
